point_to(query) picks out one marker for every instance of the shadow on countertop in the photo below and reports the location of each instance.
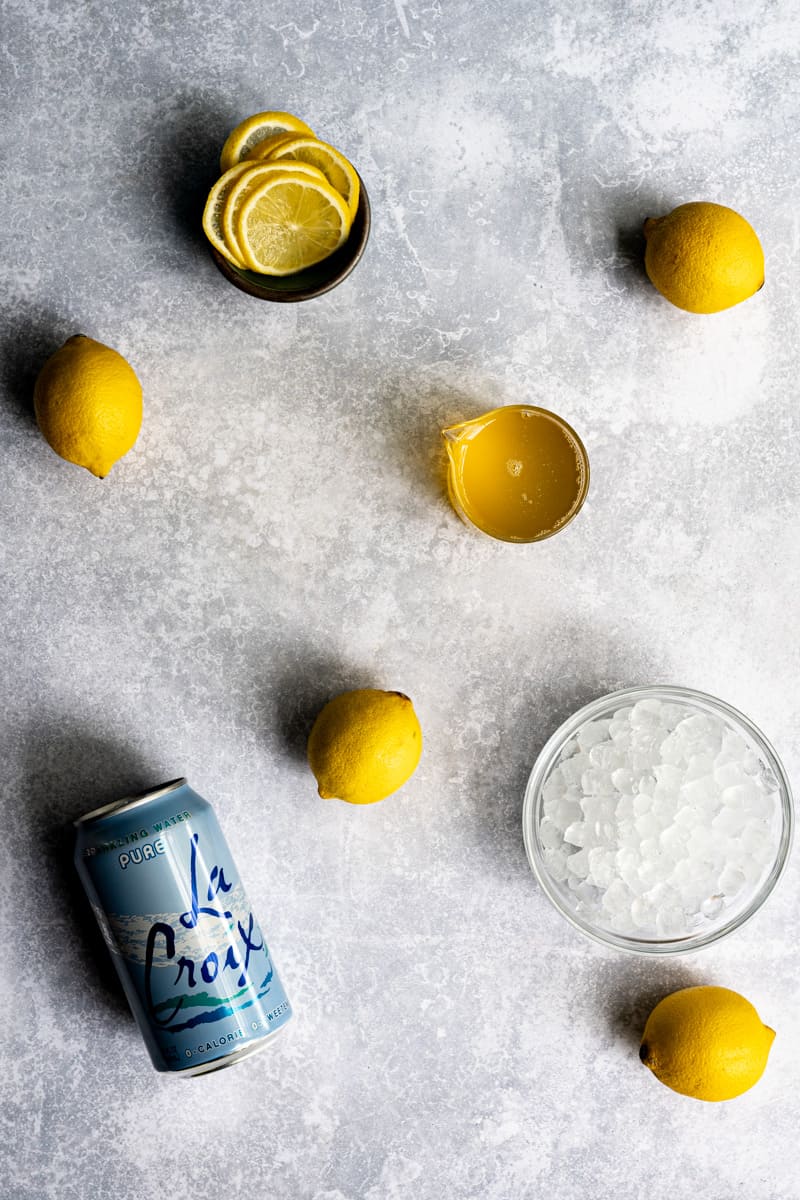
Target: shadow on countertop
(70, 770)
(30, 334)
(183, 157)
(304, 681)
(628, 991)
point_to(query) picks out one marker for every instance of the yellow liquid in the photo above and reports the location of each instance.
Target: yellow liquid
(519, 473)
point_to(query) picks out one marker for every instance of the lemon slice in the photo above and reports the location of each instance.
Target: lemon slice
(288, 224)
(212, 214)
(246, 136)
(340, 173)
(243, 187)
(265, 148)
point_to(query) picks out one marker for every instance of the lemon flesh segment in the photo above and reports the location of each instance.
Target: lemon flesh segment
(703, 257)
(247, 135)
(88, 404)
(285, 225)
(339, 172)
(364, 745)
(243, 187)
(706, 1042)
(214, 210)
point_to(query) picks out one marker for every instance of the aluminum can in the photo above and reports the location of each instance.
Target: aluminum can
(191, 956)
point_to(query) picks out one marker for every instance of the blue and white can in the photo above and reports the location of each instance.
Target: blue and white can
(190, 954)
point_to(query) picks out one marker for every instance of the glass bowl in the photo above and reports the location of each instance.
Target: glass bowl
(313, 281)
(728, 841)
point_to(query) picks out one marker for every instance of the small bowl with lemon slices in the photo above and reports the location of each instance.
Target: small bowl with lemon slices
(289, 217)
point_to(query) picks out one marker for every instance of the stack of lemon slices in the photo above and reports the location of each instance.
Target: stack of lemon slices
(284, 201)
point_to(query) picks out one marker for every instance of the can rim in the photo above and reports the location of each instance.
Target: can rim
(128, 802)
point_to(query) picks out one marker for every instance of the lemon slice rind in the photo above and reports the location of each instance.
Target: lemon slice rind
(214, 209)
(242, 140)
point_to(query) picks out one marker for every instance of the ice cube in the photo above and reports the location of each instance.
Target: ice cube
(578, 864)
(698, 766)
(699, 734)
(575, 833)
(622, 779)
(646, 714)
(742, 795)
(674, 841)
(654, 870)
(672, 750)
(597, 783)
(713, 906)
(687, 817)
(592, 734)
(584, 893)
(624, 810)
(626, 834)
(732, 880)
(617, 897)
(670, 921)
(646, 784)
(664, 808)
(729, 774)
(604, 831)
(761, 804)
(701, 793)
(729, 822)
(643, 914)
(702, 841)
(564, 811)
(672, 714)
(650, 848)
(757, 843)
(668, 776)
(641, 804)
(623, 715)
(556, 863)
(549, 836)
(606, 756)
(733, 748)
(573, 768)
(597, 808)
(602, 867)
(571, 747)
(648, 826)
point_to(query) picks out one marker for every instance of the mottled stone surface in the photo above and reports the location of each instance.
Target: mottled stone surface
(280, 532)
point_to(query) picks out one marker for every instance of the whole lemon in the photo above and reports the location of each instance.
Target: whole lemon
(364, 745)
(703, 257)
(88, 404)
(706, 1042)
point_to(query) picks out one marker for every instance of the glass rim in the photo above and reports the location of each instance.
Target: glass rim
(686, 944)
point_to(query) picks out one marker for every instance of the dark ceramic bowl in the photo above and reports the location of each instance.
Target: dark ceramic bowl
(313, 281)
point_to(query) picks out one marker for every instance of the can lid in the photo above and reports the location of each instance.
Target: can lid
(130, 801)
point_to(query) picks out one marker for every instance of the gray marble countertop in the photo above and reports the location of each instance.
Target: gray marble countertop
(280, 533)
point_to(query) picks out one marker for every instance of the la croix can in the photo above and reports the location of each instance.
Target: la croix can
(191, 956)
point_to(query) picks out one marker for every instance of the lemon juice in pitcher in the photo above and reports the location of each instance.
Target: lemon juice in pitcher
(517, 473)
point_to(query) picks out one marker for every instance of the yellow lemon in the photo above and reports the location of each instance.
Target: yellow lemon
(364, 745)
(88, 404)
(703, 257)
(706, 1042)
(249, 133)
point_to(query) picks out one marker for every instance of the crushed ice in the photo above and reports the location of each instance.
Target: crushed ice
(657, 818)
